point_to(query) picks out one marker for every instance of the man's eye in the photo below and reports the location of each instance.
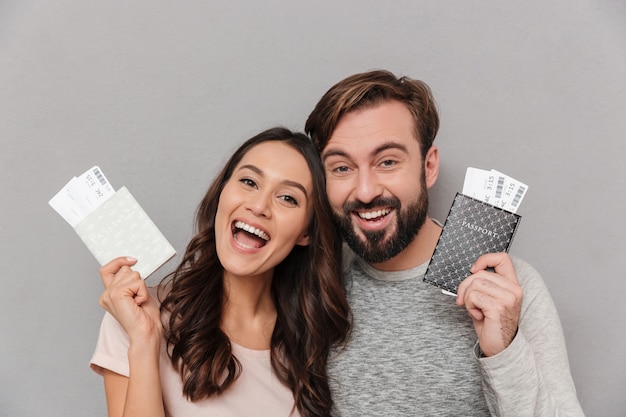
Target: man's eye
(388, 163)
(342, 169)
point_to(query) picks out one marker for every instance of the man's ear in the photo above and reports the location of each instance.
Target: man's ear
(303, 240)
(431, 166)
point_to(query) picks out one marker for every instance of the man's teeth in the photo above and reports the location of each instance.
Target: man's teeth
(374, 214)
(250, 229)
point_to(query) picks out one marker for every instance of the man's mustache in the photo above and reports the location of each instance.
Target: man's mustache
(378, 202)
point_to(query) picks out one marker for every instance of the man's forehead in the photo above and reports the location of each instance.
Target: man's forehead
(384, 121)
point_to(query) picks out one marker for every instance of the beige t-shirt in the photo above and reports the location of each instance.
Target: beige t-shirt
(257, 391)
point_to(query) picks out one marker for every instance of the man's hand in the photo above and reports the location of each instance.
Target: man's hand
(493, 300)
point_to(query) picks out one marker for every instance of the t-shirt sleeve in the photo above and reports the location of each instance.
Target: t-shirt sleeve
(112, 348)
(532, 376)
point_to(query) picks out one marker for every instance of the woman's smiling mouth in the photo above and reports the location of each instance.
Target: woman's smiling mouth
(249, 236)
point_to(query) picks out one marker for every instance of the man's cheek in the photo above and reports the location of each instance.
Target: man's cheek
(335, 198)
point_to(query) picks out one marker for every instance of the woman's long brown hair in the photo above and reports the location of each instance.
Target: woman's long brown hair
(312, 312)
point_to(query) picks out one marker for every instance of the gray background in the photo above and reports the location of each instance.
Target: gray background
(158, 94)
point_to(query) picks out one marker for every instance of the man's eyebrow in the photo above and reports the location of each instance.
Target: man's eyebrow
(333, 152)
(390, 145)
(381, 148)
(286, 182)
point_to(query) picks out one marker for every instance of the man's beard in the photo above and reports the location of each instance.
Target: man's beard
(376, 247)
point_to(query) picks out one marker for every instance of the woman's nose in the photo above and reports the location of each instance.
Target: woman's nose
(259, 204)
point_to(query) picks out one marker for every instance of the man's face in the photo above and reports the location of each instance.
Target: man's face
(375, 180)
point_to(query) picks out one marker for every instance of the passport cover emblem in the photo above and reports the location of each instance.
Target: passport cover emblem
(472, 228)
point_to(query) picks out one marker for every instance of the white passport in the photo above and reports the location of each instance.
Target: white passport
(115, 226)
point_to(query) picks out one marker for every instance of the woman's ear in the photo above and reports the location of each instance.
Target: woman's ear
(431, 166)
(303, 240)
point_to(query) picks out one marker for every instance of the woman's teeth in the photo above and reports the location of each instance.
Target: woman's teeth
(257, 232)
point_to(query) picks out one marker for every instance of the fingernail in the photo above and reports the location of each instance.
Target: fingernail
(131, 259)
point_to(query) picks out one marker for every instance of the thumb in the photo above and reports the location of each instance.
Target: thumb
(108, 270)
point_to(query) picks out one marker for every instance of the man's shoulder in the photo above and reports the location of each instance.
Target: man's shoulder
(531, 281)
(526, 273)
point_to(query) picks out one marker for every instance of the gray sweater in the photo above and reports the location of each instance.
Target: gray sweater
(413, 352)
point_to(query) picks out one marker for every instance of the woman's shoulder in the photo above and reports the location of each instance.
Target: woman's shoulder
(159, 292)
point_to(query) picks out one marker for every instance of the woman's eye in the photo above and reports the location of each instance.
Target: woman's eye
(248, 182)
(289, 199)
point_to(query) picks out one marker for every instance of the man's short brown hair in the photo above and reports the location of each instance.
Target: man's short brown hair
(369, 89)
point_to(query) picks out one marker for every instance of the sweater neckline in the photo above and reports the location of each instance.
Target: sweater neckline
(393, 276)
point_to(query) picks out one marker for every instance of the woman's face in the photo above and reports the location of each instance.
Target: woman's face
(263, 210)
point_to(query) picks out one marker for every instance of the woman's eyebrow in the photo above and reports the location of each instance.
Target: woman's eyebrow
(287, 182)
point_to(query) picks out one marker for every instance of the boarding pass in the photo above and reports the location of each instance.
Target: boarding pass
(495, 188)
(82, 195)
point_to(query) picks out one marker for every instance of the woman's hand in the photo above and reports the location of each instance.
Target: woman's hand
(126, 297)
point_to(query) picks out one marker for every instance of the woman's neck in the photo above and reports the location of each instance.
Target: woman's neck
(249, 313)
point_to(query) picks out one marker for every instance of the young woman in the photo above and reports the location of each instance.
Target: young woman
(247, 320)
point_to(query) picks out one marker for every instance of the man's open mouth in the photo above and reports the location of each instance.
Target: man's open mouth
(373, 215)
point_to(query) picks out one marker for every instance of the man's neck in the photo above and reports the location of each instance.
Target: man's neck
(419, 250)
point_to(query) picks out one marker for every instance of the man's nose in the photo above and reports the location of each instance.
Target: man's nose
(368, 186)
